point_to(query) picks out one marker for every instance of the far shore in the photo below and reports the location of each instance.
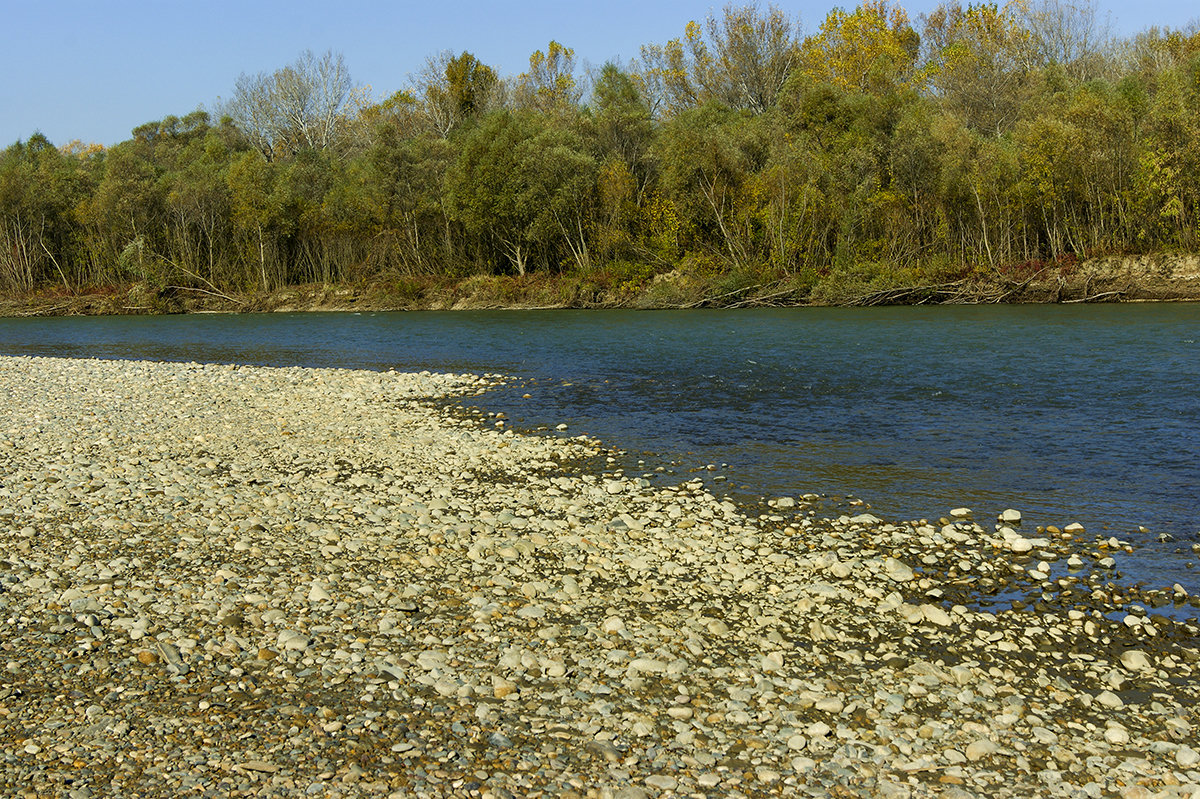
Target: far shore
(1151, 278)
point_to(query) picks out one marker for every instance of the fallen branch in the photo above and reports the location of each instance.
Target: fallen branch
(760, 300)
(1095, 297)
(215, 291)
(44, 311)
(1017, 287)
(698, 303)
(54, 261)
(734, 293)
(210, 293)
(896, 294)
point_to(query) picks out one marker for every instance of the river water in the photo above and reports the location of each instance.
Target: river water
(1067, 413)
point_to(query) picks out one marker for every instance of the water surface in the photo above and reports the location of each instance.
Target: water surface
(1068, 413)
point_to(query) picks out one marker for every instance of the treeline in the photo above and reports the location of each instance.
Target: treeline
(874, 148)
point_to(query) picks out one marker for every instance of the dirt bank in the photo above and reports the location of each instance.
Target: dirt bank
(1142, 278)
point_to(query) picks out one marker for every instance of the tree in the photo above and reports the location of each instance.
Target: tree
(1167, 175)
(707, 156)
(484, 187)
(975, 195)
(549, 86)
(849, 136)
(408, 187)
(1156, 50)
(38, 187)
(306, 105)
(795, 208)
(1052, 185)
(528, 188)
(1004, 133)
(740, 59)
(978, 60)
(559, 184)
(400, 115)
(621, 125)
(873, 50)
(253, 213)
(454, 89)
(198, 203)
(127, 212)
(307, 236)
(1067, 33)
(621, 134)
(1105, 119)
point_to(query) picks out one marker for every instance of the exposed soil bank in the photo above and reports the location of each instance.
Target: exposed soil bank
(1108, 279)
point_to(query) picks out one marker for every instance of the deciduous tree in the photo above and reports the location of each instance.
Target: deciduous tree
(740, 59)
(978, 61)
(549, 86)
(456, 88)
(305, 105)
(1069, 33)
(872, 49)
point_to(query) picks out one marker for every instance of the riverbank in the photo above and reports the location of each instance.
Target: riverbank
(249, 581)
(1110, 279)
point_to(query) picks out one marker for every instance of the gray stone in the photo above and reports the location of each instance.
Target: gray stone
(1136, 660)
(1187, 757)
(897, 570)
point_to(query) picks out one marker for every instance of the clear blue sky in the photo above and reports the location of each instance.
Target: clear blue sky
(95, 70)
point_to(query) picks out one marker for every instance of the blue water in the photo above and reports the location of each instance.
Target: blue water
(1068, 413)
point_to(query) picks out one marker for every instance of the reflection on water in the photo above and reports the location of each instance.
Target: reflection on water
(1069, 413)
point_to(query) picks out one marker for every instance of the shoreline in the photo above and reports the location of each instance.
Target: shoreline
(258, 580)
(1151, 278)
(325, 299)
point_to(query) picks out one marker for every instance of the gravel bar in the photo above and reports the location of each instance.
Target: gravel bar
(241, 581)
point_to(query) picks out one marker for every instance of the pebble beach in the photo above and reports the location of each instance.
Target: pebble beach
(237, 581)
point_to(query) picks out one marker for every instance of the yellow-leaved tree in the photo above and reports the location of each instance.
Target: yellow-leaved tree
(978, 63)
(549, 86)
(872, 50)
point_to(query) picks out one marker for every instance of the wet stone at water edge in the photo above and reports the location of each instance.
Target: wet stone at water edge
(234, 581)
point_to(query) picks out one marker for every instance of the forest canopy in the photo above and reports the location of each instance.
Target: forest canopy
(873, 147)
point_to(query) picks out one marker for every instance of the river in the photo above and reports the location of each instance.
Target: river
(1067, 413)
